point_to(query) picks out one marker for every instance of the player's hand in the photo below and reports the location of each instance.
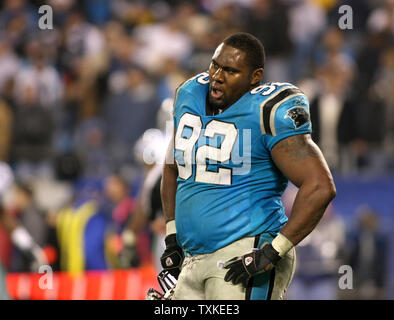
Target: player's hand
(173, 256)
(241, 269)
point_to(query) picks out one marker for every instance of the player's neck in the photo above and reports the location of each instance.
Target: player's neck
(212, 110)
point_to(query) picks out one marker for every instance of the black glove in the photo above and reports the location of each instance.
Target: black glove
(173, 256)
(255, 262)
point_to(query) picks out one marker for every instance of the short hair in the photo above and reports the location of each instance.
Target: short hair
(254, 49)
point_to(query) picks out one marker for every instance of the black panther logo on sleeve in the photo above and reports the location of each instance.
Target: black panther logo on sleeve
(298, 115)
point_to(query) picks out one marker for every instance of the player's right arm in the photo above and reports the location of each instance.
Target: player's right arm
(169, 183)
(173, 255)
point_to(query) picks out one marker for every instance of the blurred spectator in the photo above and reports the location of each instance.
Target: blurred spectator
(203, 31)
(17, 19)
(382, 17)
(117, 190)
(368, 256)
(160, 42)
(368, 60)
(32, 224)
(307, 21)
(133, 13)
(38, 76)
(371, 112)
(382, 91)
(136, 108)
(82, 40)
(172, 75)
(90, 145)
(331, 105)
(37, 99)
(83, 59)
(268, 20)
(61, 9)
(77, 250)
(6, 126)
(127, 228)
(227, 17)
(32, 136)
(9, 65)
(121, 47)
(97, 11)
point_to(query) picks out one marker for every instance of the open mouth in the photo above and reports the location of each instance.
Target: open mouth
(216, 93)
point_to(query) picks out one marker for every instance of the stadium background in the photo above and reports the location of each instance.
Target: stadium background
(76, 103)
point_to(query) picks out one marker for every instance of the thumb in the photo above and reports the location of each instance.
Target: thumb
(230, 262)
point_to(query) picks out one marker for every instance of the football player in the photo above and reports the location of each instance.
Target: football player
(236, 145)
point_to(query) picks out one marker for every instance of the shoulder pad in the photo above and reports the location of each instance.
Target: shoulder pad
(192, 90)
(199, 79)
(267, 90)
(270, 97)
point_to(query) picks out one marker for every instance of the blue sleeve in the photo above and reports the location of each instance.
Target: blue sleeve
(290, 117)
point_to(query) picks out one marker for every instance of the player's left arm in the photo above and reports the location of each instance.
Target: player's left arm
(286, 126)
(302, 162)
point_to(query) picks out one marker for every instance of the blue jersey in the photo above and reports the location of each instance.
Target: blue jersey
(228, 186)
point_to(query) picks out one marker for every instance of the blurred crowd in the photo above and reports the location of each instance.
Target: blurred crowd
(84, 109)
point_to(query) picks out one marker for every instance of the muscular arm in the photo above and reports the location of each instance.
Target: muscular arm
(168, 184)
(172, 257)
(302, 162)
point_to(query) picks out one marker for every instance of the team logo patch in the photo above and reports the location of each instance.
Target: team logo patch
(248, 260)
(298, 115)
(169, 262)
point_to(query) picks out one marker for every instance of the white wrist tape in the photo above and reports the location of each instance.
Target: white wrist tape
(281, 244)
(170, 227)
(22, 239)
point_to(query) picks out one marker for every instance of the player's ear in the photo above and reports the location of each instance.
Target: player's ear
(257, 75)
